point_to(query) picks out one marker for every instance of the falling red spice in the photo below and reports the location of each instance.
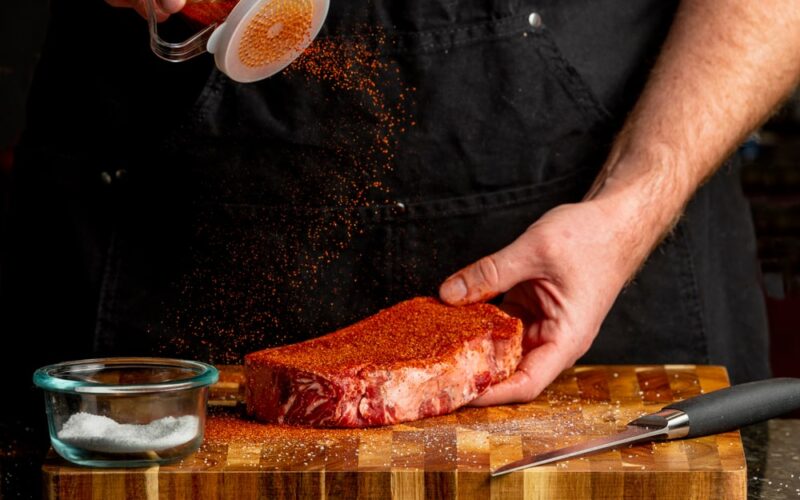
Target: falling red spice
(357, 67)
(228, 313)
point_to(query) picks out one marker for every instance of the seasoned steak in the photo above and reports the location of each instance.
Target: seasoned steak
(417, 359)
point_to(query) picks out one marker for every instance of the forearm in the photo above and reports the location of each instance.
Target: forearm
(725, 66)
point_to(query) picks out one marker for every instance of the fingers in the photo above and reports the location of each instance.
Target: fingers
(167, 6)
(537, 369)
(172, 6)
(142, 10)
(163, 8)
(486, 278)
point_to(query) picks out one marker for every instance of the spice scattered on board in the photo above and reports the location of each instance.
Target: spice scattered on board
(469, 438)
(465, 438)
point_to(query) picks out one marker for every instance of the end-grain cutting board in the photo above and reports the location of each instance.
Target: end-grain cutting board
(446, 457)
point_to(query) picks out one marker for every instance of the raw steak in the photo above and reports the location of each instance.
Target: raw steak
(417, 359)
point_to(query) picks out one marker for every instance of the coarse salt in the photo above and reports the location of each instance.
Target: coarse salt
(106, 435)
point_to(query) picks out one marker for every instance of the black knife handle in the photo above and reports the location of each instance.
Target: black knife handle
(728, 409)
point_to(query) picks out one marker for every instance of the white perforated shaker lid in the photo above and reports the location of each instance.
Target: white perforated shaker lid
(261, 37)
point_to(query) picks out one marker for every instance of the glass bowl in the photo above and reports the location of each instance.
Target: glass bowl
(126, 412)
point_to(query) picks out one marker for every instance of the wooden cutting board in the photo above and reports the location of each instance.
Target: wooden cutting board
(445, 457)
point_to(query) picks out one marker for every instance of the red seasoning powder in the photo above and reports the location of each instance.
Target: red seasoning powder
(231, 429)
(357, 69)
(416, 332)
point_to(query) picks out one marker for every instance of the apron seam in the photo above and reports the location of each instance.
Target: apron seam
(690, 290)
(503, 28)
(420, 213)
(438, 31)
(108, 288)
(572, 82)
(479, 202)
(409, 42)
(436, 47)
(554, 189)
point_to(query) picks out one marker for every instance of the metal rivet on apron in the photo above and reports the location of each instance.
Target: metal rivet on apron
(119, 174)
(106, 178)
(535, 20)
(401, 207)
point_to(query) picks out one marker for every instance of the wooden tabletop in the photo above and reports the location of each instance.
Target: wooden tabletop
(445, 457)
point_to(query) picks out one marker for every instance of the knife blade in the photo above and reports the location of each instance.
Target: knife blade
(719, 411)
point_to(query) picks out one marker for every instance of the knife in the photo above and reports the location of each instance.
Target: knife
(719, 411)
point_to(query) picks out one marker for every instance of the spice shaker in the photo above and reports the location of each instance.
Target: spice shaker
(250, 39)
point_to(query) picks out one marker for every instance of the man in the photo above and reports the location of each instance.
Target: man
(224, 224)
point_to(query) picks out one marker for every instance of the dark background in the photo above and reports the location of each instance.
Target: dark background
(771, 179)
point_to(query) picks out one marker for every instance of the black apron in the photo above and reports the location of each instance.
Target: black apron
(210, 222)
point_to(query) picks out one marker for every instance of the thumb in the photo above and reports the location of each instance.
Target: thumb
(172, 6)
(486, 278)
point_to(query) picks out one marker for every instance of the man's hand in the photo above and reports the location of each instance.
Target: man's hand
(164, 8)
(562, 277)
(725, 66)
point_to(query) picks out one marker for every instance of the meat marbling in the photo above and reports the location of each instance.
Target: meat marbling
(417, 359)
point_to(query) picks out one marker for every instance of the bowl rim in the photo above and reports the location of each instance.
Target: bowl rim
(47, 377)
